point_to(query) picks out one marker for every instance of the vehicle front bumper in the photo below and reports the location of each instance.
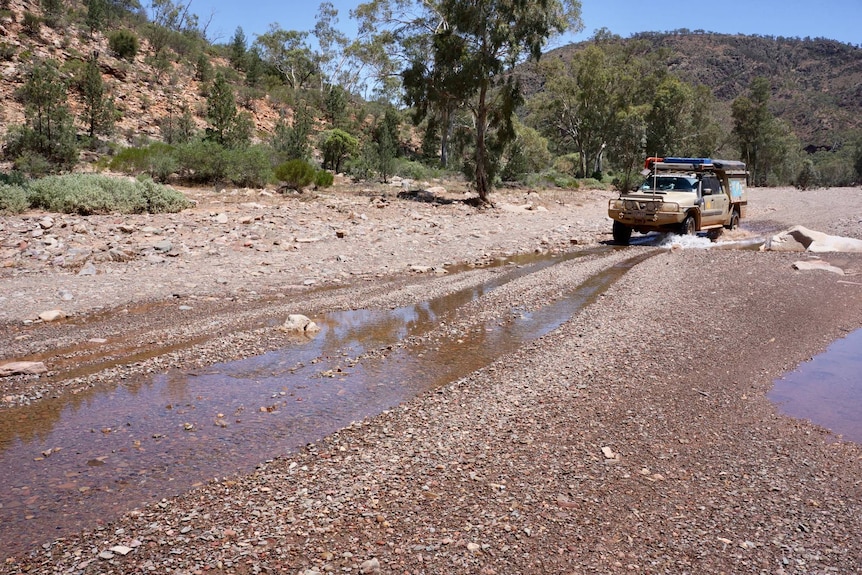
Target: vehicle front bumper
(645, 214)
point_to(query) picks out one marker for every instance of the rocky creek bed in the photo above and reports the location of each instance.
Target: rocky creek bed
(637, 437)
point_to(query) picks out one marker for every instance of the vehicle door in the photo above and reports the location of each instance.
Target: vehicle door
(714, 209)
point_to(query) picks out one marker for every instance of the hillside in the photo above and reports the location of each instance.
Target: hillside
(817, 83)
(143, 91)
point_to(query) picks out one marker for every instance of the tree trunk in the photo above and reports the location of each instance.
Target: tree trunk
(482, 186)
(444, 137)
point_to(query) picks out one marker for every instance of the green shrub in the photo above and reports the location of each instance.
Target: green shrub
(158, 160)
(33, 163)
(162, 165)
(124, 44)
(296, 174)
(162, 199)
(95, 194)
(552, 178)
(323, 179)
(807, 177)
(203, 161)
(249, 166)
(7, 52)
(32, 24)
(130, 160)
(414, 170)
(13, 199)
(13, 179)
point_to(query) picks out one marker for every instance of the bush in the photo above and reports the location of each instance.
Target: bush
(7, 52)
(554, 178)
(33, 163)
(807, 177)
(249, 167)
(158, 160)
(414, 170)
(162, 199)
(124, 44)
(32, 24)
(87, 194)
(323, 179)
(13, 199)
(203, 161)
(295, 174)
(13, 179)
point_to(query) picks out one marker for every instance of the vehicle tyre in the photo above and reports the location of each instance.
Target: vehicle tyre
(688, 227)
(622, 233)
(734, 220)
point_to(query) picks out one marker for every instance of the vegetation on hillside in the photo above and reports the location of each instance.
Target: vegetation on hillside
(416, 95)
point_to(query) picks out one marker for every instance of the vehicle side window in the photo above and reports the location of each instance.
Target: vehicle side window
(712, 183)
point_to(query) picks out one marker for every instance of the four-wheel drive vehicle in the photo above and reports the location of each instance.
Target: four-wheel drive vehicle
(683, 196)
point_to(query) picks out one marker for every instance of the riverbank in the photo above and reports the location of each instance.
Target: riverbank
(635, 438)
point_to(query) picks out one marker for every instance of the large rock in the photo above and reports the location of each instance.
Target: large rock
(298, 323)
(52, 315)
(817, 265)
(22, 368)
(801, 239)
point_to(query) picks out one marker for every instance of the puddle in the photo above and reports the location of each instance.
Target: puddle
(827, 390)
(68, 464)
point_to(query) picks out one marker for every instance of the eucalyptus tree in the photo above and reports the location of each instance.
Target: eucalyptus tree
(581, 102)
(288, 52)
(751, 123)
(462, 54)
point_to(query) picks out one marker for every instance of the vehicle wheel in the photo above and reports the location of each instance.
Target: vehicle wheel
(688, 227)
(622, 233)
(734, 220)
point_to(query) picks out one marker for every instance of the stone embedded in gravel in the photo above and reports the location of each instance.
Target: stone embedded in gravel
(299, 323)
(22, 368)
(220, 218)
(88, 269)
(817, 265)
(121, 550)
(52, 315)
(370, 566)
(163, 246)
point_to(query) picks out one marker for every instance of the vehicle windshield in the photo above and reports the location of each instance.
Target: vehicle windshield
(669, 183)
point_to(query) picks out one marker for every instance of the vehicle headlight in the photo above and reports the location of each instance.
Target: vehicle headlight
(617, 204)
(669, 207)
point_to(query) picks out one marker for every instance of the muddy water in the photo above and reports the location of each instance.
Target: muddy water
(828, 389)
(71, 463)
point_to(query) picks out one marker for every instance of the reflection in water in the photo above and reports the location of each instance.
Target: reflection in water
(68, 463)
(828, 389)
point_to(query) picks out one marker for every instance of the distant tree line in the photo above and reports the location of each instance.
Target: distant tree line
(424, 88)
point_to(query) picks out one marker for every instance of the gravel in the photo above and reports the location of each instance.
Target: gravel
(637, 437)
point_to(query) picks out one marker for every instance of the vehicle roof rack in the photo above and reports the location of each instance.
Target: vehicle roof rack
(703, 163)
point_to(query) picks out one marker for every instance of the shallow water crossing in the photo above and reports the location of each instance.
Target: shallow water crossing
(72, 462)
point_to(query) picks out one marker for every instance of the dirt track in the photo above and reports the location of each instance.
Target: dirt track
(503, 471)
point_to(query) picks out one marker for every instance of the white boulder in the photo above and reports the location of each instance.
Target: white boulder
(801, 239)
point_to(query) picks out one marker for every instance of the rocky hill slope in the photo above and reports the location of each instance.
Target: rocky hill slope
(817, 83)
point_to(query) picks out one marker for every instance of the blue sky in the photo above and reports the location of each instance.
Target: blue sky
(835, 19)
